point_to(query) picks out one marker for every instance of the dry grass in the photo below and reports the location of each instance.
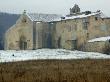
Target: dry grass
(56, 71)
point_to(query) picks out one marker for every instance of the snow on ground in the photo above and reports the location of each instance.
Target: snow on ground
(12, 55)
(100, 39)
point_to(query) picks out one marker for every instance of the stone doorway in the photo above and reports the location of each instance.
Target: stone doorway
(59, 42)
(23, 43)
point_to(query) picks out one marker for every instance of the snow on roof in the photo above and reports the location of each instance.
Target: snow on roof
(83, 16)
(55, 17)
(100, 39)
(42, 17)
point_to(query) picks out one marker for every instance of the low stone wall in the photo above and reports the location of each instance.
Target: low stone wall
(101, 47)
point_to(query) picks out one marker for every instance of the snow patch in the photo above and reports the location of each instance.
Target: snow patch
(100, 39)
(42, 17)
(82, 16)
(13, 55)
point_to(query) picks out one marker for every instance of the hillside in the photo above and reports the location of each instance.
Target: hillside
(6, 21)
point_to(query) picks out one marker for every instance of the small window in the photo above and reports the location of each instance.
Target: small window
(85, 23)
(87, 35)
(74, 42)
(109, 40)
(85, 26)
(96, 18)
(102, 19)
(85, 20)
(24, 20)
(28, 40)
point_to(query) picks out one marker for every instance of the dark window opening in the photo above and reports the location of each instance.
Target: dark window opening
(85, 25)
(49, 41)
(75, 44)
(96, 18)
(22, 43)
(62, 17)
(59, 42)
(87, 35)
(102, 19)
(24, 20)
(109, 40)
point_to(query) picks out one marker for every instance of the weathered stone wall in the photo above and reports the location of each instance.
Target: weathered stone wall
(22, 28)
(81, 34)
(100, 46)
(42, 31)
(98, 28)
(65, 34)
(68, 34)
(28, 31)
(80, 30)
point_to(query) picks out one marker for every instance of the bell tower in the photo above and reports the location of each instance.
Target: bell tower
(74, 10)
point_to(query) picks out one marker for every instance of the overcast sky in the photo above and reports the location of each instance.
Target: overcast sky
(53, 6)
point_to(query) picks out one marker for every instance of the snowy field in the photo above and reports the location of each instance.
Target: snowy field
(10, 56)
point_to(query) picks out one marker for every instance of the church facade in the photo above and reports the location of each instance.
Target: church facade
(34, 31)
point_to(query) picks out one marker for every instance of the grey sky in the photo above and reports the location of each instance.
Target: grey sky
(53, 6)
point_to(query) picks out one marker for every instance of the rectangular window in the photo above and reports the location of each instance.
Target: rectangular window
(87, 35)
(85, 23)
(102, 19)
(74, 44)
(85, 20)
(96, 18)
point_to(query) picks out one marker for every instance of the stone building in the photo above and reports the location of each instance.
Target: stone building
(33, 31)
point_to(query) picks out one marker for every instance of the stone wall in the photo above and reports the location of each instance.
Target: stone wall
(77, 32)
(100, 46)
(65, 33)
(26, 34)
(98, 27)
(42, 31)
(22, 28)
